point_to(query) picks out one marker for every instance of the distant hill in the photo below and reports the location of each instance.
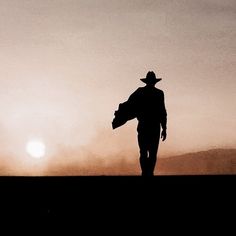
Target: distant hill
(215, 161)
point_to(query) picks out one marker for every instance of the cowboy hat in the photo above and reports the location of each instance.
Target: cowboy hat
(150, 78)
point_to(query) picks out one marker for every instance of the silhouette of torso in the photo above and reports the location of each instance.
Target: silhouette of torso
(150, 108)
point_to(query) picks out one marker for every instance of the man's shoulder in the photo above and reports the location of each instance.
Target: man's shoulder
(138, 90)
(159, 90)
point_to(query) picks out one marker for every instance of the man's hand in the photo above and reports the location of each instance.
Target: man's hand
(163, 135)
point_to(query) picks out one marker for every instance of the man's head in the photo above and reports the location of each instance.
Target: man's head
(150, 79)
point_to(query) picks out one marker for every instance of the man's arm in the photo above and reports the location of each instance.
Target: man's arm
(163, 118)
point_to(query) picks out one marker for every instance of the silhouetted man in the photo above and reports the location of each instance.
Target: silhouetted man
(148, 106)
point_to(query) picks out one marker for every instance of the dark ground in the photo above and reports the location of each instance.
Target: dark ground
(57, 188)
(126, 197)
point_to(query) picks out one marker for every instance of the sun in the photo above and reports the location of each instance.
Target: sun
(35, 149)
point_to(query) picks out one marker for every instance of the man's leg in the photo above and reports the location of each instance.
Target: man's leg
(143, 148)
(153, 149)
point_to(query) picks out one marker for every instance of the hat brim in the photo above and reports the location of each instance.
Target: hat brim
(146, 81)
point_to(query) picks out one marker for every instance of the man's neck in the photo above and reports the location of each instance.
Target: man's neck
(150, 86)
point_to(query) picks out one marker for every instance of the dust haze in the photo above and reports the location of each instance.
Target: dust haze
(66, 65)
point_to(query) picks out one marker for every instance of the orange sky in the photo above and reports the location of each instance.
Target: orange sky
(67, 64)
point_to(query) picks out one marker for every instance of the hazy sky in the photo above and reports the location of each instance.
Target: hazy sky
(67, 64)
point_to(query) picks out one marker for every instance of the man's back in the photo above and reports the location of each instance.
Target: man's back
(150, 107)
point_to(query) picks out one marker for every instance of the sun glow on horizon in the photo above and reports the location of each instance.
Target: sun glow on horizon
(35, 149)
